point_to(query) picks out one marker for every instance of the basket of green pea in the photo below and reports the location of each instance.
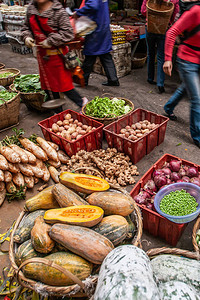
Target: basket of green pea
(7, 76)
(178, 202)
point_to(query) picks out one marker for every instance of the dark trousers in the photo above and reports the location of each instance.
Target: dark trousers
(72, 95)
(107, 63)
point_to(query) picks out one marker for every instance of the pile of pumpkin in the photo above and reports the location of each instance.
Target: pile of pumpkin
(71, 231)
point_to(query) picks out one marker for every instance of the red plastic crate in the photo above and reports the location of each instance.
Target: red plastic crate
(153, 222)
(89, 142)
(136, 149)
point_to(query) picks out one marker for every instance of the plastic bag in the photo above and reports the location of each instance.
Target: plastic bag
(84, 26)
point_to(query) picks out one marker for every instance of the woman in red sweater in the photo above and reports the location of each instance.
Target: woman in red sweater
(188, 63)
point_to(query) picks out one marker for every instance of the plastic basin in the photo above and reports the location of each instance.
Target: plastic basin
(194, 191)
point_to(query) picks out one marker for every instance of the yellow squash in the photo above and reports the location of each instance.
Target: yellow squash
(84, 183)
(82, 215)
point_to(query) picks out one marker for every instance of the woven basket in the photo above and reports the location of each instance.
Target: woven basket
(105, 120)
(139, 60)
(194, 235)
(2, 66)
(80, 288)
(32, 100)
(9, 80)
(9, 112)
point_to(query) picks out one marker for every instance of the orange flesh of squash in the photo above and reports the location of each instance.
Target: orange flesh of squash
(83, 215)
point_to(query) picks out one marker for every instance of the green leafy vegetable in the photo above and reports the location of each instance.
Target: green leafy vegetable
(6, 74)
(6, 96)
(106, 107)
(13, 139)
(18, 194)
(29, 84)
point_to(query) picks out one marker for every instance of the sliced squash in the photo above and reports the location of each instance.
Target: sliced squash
(84, 183)
(83, 215)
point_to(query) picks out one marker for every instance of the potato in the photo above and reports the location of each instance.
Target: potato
(61, 128)
(133, 137)
(127, 134)
(71, 120)
(68, 137)
(84, 127)
(133, 126)
(144, 126)
(78, 136)
(58, 133)
(137, 131)
(138, 125)
(128, 127)
(82, 132)
(66, 127)
(74, 135)
(123, 131)
(139, 135)
(66, 122)
(55, 127)
(59, 123)
(68, 117)
(80, 124)
(76, 122)
(71, 130)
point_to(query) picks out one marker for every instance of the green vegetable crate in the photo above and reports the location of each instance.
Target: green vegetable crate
(153, 222)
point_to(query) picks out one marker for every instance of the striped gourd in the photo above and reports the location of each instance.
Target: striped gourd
(114, 227)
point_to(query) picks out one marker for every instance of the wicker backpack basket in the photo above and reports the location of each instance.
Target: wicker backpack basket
(9, 80)
(9, 112)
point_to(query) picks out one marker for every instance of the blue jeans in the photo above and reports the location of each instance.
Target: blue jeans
(155, 40)
(189, 74)
(175, 99)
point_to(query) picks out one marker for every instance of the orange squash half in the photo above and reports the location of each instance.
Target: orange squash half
(82, 215)
(84, 183)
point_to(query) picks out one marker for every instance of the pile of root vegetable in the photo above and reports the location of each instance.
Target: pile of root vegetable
(70, 231)
(114, 166)
(23, 162)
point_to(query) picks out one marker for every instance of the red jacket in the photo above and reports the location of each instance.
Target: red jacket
(187, 22)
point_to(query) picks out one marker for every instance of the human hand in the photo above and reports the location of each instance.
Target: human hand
(167, 67)
(29, 42)
(74, 16)
(45, 44)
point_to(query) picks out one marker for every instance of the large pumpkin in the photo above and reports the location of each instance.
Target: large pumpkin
(114, 227)
(82, 241)
(51, 276)
(84, 183)
(83, 215)
(113, 203)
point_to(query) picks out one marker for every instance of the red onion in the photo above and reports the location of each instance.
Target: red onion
(150, 206)
(186, 179)
(180, 180)
(150, 186)
(167, 171)
(175, 165)
(157, 172)
(195, 180)
(182, 172)
(160, 180)
(175, 176)
(141, 197)
(168, 181)
(192, 172)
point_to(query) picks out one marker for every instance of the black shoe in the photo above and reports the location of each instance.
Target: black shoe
(172, 117)
(197, 143)
(111, 83)
(151, 82)
(161, 89)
